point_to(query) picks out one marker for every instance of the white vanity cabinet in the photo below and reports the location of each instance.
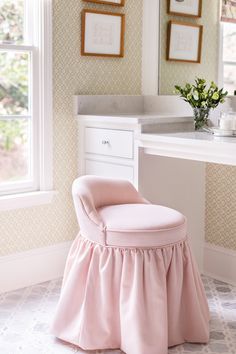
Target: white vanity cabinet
(109, 130)
(107, 146)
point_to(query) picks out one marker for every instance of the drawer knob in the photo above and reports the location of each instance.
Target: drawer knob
(105, 142)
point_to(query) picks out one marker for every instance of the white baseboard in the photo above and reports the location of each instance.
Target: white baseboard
(220, 263)
(32, 267)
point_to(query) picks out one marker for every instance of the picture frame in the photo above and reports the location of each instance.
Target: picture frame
(102, 33)
(108, 2)
(188, 8)
(184, 42)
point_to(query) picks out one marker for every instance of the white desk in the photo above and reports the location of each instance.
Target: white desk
(198, 146)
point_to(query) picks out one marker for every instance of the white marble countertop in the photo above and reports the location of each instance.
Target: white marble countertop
(141, 117)
(194, 136)
(198, 146)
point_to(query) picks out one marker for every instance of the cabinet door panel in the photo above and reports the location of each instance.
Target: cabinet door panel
(105, 169)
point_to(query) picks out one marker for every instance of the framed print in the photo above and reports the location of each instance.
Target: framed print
(108, 2)
(184, 42)
(102, 33)
(190, 8)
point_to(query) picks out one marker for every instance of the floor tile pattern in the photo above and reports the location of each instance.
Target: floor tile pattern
(25, 317)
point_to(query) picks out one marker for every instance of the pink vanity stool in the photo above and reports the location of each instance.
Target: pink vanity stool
(130, 280)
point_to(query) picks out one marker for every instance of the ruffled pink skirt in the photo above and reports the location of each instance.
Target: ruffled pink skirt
(138, 300)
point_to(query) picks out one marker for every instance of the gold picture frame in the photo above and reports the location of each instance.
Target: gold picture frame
(108, 2)
(182, 8)
(100, 37)
(184, 42)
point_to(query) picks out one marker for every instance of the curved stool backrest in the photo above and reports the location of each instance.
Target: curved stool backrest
(93, 192)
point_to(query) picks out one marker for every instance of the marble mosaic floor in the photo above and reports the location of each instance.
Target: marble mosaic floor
(25, 317)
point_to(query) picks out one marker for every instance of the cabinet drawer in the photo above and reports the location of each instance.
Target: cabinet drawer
(111, 142)
(106, 169)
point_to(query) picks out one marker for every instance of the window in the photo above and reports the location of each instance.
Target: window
(229, 56)
(25, 96)
(228, 45)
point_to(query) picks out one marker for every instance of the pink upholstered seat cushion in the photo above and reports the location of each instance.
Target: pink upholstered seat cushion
(142, 225)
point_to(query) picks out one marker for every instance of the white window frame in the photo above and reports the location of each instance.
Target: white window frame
(150, 47)
(42, 107)
(220, 56)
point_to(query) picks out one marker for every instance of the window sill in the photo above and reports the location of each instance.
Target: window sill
(26, 200)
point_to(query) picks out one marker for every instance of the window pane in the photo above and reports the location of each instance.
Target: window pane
(12, 21)
(14, 150)
(230, 78)
(14, 82)
(229, 47)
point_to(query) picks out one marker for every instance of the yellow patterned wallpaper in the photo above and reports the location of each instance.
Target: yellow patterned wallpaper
(40, 226)
(172, 73)
(221, 205)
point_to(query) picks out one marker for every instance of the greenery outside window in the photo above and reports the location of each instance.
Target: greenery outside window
(24, 100)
